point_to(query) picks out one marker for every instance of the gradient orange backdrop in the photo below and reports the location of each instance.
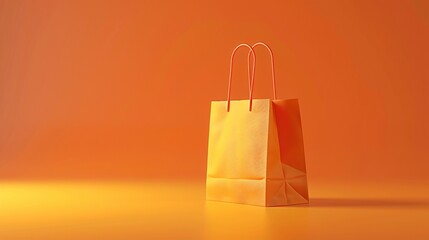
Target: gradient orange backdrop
(122, 89)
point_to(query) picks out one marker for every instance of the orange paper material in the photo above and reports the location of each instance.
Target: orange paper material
(256, 154)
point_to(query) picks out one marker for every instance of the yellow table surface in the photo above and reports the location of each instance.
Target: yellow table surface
(178, 210)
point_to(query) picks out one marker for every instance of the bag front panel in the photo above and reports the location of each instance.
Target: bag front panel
(238, 140)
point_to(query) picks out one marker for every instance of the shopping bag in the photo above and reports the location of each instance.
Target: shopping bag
(256, 150)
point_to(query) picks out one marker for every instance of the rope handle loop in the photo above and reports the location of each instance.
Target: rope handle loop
(251, 83)
(250, 76)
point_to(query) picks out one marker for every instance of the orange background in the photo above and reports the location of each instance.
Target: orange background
(122, 89)
(104, 115)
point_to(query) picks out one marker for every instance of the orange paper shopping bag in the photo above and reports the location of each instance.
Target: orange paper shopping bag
(256, 151)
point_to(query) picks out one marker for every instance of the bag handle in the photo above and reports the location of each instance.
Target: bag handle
(251, 84)
(250, 76)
